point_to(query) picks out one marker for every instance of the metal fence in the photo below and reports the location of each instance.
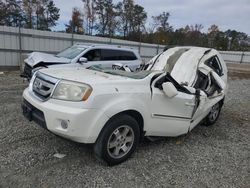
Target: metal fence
(14, 42)
(236, 57)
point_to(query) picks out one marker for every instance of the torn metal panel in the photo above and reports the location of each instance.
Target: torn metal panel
(186, 66)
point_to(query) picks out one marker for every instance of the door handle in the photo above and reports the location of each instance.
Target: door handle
(189, 104)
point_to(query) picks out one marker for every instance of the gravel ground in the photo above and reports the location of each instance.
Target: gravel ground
(217, 156)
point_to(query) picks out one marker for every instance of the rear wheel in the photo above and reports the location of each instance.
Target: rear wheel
(213, 114)
(118, 140)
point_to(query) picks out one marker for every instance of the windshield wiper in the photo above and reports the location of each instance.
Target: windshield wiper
(95, 67)
(113, 73)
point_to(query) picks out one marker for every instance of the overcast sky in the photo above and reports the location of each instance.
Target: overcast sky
(227, 14)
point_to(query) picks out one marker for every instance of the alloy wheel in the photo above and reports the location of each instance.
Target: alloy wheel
(120, 141)
(214, 112)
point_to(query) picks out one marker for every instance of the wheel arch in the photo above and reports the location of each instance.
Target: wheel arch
(134, 114)
(222, 102)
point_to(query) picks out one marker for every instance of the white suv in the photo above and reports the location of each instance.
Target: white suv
(114, 109)
(83, 55)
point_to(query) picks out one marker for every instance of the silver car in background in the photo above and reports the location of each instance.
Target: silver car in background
(83, 55)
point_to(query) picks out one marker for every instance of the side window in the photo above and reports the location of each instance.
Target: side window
(109, 55)
(214, 64)
(169, 78)
(112, 55)
(126, 55)
(93, 55)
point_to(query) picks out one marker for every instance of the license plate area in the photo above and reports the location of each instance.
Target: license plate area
(33, 114)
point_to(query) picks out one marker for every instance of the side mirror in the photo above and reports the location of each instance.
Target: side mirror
(83, 60)
(169, 89)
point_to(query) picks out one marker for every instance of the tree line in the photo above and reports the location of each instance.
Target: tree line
(32, 14)
(123, 20)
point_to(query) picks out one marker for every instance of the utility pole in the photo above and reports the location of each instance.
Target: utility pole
(229, 43)
(20, 39)
(140, 43)
(72, 34)
(20, 45)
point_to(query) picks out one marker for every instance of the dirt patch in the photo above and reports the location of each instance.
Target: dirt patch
(216, 156)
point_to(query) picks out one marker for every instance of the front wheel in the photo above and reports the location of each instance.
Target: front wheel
(213, 114)
(118, 140)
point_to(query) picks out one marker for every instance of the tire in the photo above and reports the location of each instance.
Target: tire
(213, 115)
(118, 140)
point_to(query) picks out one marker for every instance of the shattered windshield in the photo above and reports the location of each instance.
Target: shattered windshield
(135, 75)
(71, 53)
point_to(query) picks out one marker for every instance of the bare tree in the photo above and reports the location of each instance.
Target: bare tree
(132, 18)
(213, 29)
(106, 14)
(90, 12)
(28, 7)
(161, 22)
(125, 11)
(76, 23)
(43, 13)
(196, 27)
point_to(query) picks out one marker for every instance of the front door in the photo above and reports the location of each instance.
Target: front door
(171, 116)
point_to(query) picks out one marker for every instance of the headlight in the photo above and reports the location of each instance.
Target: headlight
(71, 91)
(32, 81)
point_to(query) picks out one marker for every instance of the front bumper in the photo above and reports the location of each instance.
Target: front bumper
(84, 125)
(33, 114)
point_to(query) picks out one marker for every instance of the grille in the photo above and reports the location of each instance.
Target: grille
(43, 85)
(27, 70)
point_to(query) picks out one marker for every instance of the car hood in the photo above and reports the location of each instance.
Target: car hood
(38, 57)
(83, 75)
